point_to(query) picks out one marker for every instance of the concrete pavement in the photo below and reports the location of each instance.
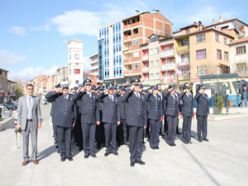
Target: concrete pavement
(222, 161)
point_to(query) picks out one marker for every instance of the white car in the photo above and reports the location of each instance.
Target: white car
(5, 112)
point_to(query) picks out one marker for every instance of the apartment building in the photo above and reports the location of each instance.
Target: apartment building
(137, 30)
(94, 65)
(110, 52)
(158, 61)
(239, 57)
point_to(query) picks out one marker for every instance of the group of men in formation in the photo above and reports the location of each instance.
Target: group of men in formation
(111, 116)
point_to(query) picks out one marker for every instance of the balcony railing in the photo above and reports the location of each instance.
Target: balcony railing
(168, 66)
(182, 49)
(132, 72)
(145, 70)
(167, 53)
(145, 58)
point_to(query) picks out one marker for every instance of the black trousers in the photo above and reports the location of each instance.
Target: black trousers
(202, 126)
(187, 120)
(89, 131)
(172, 126)
(78, 132)
(110, 137)
(124, 131)
(155, 126)
(54, 130)
(135, 142)
(64, 141)
(100, 139)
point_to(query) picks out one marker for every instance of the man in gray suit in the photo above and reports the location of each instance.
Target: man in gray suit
(29, 120)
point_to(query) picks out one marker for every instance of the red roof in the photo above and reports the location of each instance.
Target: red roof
(242, 40)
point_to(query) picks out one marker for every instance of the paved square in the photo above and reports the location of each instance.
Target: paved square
(222, 161)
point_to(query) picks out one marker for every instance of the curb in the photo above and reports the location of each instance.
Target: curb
(7, 123)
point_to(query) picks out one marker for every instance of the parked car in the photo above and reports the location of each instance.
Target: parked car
(5, 112)
(10, 105)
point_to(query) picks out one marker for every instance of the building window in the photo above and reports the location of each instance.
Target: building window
(185, 42)
(226, 56)
(136, 42)
(200, 37)
(218, 52)
(240, 50)
(225, 41)
(217, 37)
(201, 54)
(185, 58)
(136, 31)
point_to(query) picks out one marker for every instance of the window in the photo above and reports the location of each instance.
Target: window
(200, 37)
(185, 58)
(217, 37)
(135, 42)
(225, 41)
(240, 50)
(201, 54)
(219, 56)
(226, 56)
(185, 42)
(136, 31)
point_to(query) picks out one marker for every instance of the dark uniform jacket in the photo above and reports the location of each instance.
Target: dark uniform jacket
(122, 107)
(171, 104)
(65, 110)
(202, 104)
(154, 106)
(186, 107)
(89, 107)
(110, 109)
(136, 114)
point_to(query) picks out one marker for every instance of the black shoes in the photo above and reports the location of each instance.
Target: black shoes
(86, 156)
(70, 159)
(172, 144)
(140, 162)
(106, 153)
(200, 139)
(93, 155)
(62, 158)
(206, 139)
(116, 153)
(132, 164)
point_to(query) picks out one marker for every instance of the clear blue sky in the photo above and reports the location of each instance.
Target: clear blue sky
(33, 34)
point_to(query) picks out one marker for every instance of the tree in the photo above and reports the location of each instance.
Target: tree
(19, 90)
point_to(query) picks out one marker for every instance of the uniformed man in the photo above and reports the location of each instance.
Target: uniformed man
(77, 130)
(65, 120)
(202, 113)
(89, 116)
(155, 113)
(110, 119)
(53, 113)
(123, 108)
(136, 120)
(172, 111)
(187, 112)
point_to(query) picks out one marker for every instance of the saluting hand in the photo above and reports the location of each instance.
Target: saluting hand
(118, 123)
(98, 122)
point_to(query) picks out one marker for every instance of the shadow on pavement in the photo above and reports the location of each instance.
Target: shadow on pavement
(210, 176)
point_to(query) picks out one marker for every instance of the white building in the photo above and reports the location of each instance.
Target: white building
(75, 62)
(239, 57)
(94, 65)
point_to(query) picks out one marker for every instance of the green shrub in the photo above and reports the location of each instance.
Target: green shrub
(220, 102)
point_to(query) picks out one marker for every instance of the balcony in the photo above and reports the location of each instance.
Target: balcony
(145, 70)
(184, 63)
(183, 49)
(132, 72)
(167, 53)
(145, 58)
(168, 67)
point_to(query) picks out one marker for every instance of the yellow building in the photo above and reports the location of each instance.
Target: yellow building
(206, 50)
